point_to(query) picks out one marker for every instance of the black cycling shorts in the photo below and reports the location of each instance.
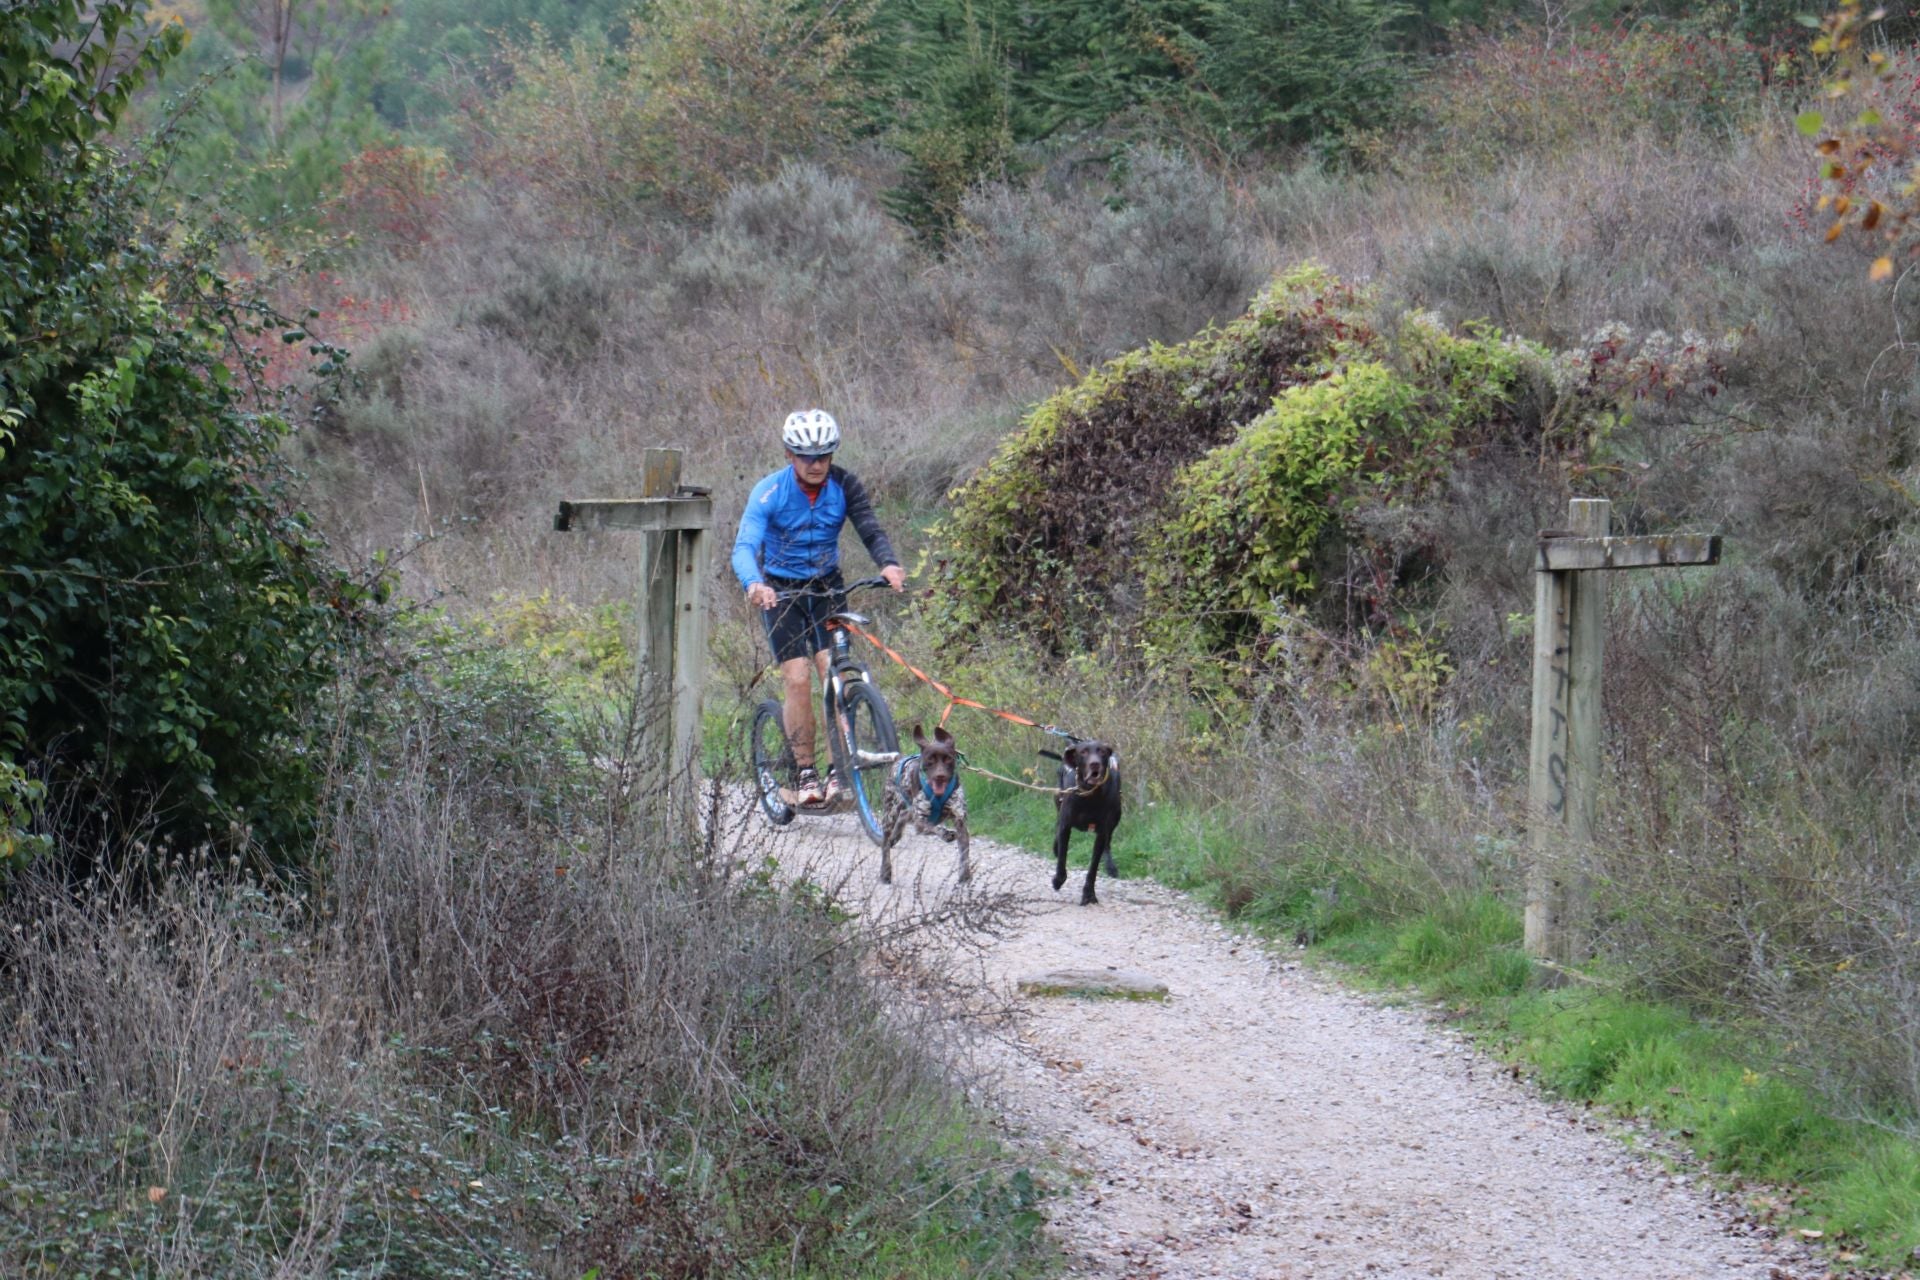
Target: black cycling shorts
(794, 627)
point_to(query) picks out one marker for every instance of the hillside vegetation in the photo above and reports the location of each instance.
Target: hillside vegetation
(1219, 362)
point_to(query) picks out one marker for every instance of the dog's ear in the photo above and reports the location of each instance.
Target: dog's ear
(1072, 755)
(919, 738)
(1106, 754)
(942, 736)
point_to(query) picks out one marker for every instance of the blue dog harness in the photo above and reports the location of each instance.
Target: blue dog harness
(936, 800)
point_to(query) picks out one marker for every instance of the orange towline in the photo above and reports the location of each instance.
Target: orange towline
(954, 699)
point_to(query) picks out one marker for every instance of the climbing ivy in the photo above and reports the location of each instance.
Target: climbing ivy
(1245, 518)
(1048, 531)
(1180, 498)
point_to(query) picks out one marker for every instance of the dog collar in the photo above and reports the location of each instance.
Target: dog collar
(937, 802)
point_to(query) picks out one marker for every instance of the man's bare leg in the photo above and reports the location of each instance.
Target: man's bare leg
(797, 709)
(797, 706)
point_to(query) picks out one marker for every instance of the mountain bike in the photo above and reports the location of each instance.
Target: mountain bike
(858, 724)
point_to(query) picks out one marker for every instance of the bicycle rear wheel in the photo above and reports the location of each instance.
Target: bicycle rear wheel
(772, 757)
(865, 748)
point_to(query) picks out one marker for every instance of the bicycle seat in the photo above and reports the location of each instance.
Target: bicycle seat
(849, 618)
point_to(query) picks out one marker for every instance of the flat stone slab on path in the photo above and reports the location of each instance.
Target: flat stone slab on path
(1096, 984)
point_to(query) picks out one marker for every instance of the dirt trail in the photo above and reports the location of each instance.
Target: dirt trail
(1263, 1123)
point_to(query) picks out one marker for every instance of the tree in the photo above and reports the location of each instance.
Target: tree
(295, 40)
(170, 620)
(961, 86)
(1281, 71)
(704, 95)
(947, 78)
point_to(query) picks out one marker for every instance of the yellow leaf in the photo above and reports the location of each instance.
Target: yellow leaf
(1841, 204)
(156, 1194)
(1833, 232)
(1881, 269)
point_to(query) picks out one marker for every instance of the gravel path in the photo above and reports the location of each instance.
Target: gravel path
(1264, 1123)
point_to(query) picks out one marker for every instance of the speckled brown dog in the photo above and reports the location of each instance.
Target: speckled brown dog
(926, 788)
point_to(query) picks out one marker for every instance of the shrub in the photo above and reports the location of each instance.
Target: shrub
(1246, 518)
(959, 120)
(391, 196)
(512, 1031)
(1049, 527)
(171, 619)
(554, 305)
(703, 95)
(808, 244)
(1049, 274)
(1205, 489)
(1280, 71)
(1501, 96)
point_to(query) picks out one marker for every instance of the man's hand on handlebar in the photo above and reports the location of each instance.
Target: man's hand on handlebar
(762, 596)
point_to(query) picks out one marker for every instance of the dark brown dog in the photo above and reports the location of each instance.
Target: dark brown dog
(927, 789)
(1089, 800)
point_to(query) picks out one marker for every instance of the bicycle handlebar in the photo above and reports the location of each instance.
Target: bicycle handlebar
(800, 593)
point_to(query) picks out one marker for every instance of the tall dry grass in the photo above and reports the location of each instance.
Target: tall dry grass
(508, 1030)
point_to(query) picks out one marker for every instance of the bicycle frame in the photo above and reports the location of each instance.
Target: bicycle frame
(849, 743)
(842, 669)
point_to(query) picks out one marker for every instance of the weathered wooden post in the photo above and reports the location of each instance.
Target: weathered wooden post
(672, 520)
(1569, 637)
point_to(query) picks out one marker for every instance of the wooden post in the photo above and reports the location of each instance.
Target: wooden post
(689, 653)
(1569, 628)
(1569, 639)
(671, 649)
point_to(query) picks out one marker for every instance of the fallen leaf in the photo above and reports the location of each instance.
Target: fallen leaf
(156, 1194)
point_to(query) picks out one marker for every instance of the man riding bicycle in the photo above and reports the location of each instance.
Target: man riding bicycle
(789, 541)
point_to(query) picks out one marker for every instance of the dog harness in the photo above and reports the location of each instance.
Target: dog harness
(930, 806)
(937, 802)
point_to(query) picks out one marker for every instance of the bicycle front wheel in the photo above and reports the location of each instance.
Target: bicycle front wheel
(772, 758)
(866, 747)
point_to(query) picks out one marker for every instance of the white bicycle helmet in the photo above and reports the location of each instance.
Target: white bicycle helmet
(811, 433)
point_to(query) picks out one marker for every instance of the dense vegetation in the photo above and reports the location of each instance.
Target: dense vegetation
(1259, 340)
(172, 622)
(1176, 493)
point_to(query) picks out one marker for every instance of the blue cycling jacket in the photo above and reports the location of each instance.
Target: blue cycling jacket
(784, 535)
